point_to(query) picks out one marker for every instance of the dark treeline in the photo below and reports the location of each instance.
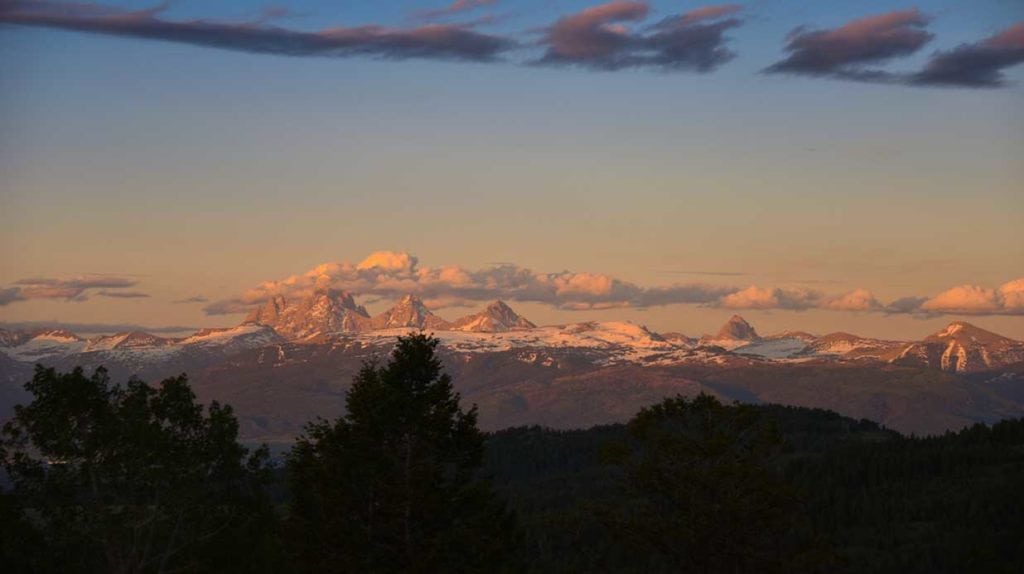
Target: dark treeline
(132, 478)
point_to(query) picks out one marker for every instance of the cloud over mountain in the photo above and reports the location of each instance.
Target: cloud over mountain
(755, 297)
(1007, 299)
(391, 275)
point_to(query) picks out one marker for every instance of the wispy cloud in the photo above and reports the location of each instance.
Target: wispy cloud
(122, 294)
(71, 289)
(697, 272)
(600, 38)
(432, 41)
(850, 51)
(10, 295)
(855, 50)
(615, 35)
(457, 7)
(978, 65)
(192, 299)
(91, 328)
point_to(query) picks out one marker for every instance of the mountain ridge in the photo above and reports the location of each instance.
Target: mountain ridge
(563, 376)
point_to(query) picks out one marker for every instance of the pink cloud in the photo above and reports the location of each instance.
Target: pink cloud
(1007, 299)
(600, 37)
(856, 300)
(592, 33)
(455, 8)
(392, 274)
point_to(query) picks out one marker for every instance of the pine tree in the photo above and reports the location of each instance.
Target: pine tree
(706, 493)
(394, 485)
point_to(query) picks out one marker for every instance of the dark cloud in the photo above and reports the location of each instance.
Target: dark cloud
(692, 272)
(437, 41)
(193, 299)
(228, 307)
(455, 8)
(599, 38)
(849, 51)
(71, 289)
(123, 294)
(9, 295)
(978, 65)
(92, 328)
(82, 282)
(906, 305)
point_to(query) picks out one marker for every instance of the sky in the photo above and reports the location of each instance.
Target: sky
(819, 166)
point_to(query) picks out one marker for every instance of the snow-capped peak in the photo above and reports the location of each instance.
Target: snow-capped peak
(322, 312)
(61, 335)
(954, 328)
(408, 312)
(495, 318)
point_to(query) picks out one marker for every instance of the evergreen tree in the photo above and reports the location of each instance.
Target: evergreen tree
(705, 490)
(394, 485)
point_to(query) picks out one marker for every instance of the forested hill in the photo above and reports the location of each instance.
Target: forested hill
(406, 482)
(868, 499)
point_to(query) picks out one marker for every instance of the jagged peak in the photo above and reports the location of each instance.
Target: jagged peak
(738, 328)
(409, 311)
(322, 311)
(410, 300)
(497, 316)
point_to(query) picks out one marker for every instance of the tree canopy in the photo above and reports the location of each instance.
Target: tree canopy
(128, 478)
(394, 485)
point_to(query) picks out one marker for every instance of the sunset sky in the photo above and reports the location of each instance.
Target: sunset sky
(820, 166)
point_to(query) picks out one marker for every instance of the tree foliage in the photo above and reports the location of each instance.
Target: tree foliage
(138, 478)
(705, 490)
(394, 485)
(128, 478)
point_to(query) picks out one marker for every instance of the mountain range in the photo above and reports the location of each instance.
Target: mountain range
(292, 360)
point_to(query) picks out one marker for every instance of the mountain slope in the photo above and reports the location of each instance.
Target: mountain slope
(560, 375)
(963, 348)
